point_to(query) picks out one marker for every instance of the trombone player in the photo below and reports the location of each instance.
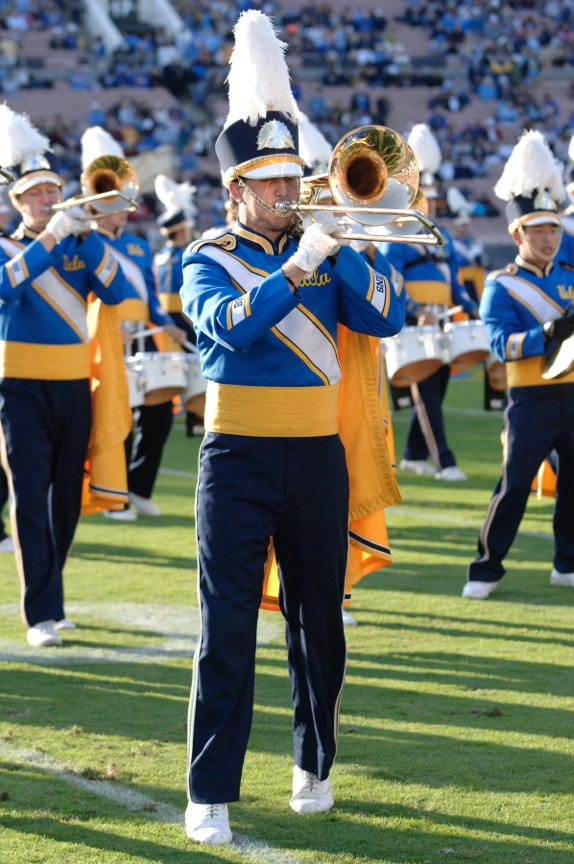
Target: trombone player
(48, 268)
(265, 305)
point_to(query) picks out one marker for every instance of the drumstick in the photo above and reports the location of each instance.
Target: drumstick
(448, 313)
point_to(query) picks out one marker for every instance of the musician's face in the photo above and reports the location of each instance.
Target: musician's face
(271, 191)
(35, 203)
(538, 244)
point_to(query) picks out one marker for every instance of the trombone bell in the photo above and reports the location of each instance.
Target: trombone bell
(373, 167)
(108, 183)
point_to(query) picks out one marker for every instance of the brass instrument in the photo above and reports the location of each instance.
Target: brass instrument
(7, 176)
(373, 178)
(110, 185)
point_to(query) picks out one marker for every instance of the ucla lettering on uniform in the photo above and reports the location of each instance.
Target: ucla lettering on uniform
(135, 249)
(316, 279)
(75, 264)
(567, 293)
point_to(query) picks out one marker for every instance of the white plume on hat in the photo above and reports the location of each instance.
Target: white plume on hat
(259, 78)
(176, 197)
(456, 201)
(530, 166)
(426, 148)
(314, 148)
(97, 142)
(19, 138)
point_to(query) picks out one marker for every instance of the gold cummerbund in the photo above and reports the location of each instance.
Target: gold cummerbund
(528, 373)
(44, 362)
(170, 302)
(428, 292)
(133, 309)
(271, 412)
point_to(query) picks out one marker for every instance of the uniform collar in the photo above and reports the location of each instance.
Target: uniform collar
(258, 241)
(532, 268)
(105, 232)
(21, 232)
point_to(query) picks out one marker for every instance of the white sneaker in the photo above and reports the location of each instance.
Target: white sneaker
(478, 590)
(310, 795)
(7, 545)
(64, 624)
(566, 580)
(416, 466)
(348, 620)
(121, 515)
(452, 473)
(43, 634)
(208, 823)
(144, 506)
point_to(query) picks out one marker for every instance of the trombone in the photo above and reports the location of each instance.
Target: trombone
(110, 184)
(373, 178)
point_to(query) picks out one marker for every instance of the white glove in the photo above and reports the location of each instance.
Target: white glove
(314, 246)
(65, 222)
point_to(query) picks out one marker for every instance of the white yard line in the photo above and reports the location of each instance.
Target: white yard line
(252, 850)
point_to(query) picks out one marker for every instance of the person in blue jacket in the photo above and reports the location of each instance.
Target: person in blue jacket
(265, 304)
(48, 268)
(528, 312)
(431, 286)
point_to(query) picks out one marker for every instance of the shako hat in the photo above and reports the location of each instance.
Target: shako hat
(260, 135)
(177, 199)
(531, 183)
(23, 148)
(427, 150)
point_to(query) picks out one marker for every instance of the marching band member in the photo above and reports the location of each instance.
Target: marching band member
(265, 306)
(48, 267)
(152, 423)
(431, 285)
(176, 225)
(527, 310)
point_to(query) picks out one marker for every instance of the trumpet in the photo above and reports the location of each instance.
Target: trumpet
(373, 178)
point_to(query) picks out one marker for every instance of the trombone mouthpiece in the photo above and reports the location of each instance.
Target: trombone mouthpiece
(284, 206)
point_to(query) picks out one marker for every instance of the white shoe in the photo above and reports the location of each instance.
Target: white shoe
(64, 624)
(348, 620)
(566, 580)
(144, 506)
(416, 466)
(452, 473)
(208, 823)
(43, 634)
(310, 795)
(121, 515)
(478, 590)
(7, 545)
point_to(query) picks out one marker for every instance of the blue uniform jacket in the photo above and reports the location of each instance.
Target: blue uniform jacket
(430, 275)
(237, 296)
(515, 304)
(43, 303)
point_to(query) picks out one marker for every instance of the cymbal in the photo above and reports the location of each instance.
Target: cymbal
(561, 361)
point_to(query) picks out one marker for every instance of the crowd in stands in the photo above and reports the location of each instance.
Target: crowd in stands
(496, 49)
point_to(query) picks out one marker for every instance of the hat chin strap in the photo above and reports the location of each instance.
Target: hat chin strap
(248, 190)
(535, 254)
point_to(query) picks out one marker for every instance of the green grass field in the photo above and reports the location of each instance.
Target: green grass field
(457, 724)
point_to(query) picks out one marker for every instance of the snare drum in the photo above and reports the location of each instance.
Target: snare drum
(165, 375)
(466, 343)
(413, 355)
(136, 382)
(194, 395)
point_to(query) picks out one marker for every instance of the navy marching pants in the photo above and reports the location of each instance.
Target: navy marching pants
(537, 421)
(426, 433)
(250, 489)
(45, 427)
